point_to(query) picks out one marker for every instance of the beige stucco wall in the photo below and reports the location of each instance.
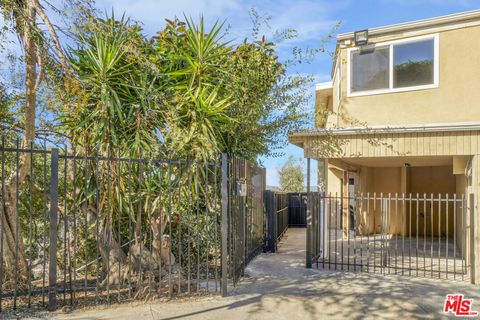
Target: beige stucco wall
(334, 180)
(335, 185)
(461, 219)
(428, 182)
(323, 107)
(395, 182)
(375, 183)
(455, 100)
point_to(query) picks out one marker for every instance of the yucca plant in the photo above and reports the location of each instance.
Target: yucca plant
(118, 115)
(121, 101)
(198, 101)
(195, 129)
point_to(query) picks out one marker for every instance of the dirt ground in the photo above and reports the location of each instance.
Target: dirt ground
(278, 286)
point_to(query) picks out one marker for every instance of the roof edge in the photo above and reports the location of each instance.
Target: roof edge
(324, 85)
(451, 18)
(446, 127)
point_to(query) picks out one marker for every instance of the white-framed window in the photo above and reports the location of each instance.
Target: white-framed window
(394, 66)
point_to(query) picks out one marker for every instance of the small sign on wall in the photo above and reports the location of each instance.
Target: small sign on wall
(241, 188)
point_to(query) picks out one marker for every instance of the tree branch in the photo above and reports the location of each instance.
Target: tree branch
(53, 35)
(41, 70)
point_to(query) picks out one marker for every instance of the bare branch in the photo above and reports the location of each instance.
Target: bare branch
(41, 70)
(53, 35)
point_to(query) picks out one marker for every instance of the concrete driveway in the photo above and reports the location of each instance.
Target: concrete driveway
(277, 286)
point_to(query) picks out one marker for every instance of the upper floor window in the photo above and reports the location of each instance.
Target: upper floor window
(408, 64)
(370, 69)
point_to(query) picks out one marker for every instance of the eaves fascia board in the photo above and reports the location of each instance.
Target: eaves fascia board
(387, 129)
(418, 24)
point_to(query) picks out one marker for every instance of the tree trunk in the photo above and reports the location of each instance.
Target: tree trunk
(13, 248)
(116, 263)
(30, 81)
(116, 266)
(138, 218)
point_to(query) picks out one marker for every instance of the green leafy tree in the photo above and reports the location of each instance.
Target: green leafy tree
(116, 106)
(44, 64)
(125, 105)
(194, 60)
(417, 72)
(254, 98)
(291, 175)
(115, 109)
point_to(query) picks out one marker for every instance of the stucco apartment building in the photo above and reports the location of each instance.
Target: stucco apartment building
(402, 116)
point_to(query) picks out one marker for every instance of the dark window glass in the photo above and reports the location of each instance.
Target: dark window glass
(369, 69)
(413, 64)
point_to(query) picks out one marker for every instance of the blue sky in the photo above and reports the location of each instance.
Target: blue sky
(311, 18)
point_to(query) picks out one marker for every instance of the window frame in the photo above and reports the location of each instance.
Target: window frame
(390, 44)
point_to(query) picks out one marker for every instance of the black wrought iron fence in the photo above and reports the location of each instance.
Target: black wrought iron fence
(282, 214)
(80, 228)
(246, 216)
(409, 234)
(277, 212)
(297, 209)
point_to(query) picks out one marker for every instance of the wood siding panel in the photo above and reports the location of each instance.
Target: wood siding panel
(400, 144)
(433, 144)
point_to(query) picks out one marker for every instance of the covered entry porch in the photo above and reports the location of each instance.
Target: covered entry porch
(391, 234)
(395, 201)
(399, 215)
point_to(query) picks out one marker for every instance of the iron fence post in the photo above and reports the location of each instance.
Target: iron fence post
(245, 221)
(309, 220)
(275, 223)
(270, 212)
(274, 233)
(224, 225)
(266, 227)
(52, 267)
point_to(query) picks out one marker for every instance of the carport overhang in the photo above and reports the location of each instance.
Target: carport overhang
(460, 139)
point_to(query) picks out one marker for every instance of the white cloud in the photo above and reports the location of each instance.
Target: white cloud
(153, 12)
(310, 18)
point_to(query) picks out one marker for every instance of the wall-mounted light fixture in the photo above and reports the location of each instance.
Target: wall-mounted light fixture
(361, 37)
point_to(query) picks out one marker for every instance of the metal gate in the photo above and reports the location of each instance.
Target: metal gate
(246, 217)
(277, 215)
(297, 209)
(404, 234)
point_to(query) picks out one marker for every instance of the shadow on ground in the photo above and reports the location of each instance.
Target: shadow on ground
(277, 286)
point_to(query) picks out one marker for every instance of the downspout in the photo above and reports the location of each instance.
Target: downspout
(469, 256)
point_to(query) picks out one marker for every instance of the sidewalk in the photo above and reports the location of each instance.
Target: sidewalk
(277, 286)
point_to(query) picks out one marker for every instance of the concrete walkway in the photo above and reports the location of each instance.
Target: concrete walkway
(277, 286)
